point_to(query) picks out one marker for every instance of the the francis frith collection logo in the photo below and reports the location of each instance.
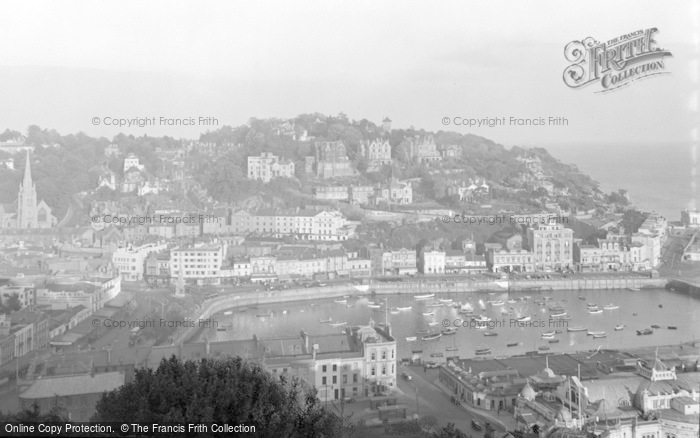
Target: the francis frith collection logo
(615, 63)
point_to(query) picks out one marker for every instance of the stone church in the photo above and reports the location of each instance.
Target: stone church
(26, 212)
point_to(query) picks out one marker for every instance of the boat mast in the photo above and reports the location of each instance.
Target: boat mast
(578, 398)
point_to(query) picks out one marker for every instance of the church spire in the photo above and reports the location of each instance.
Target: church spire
(27, 182)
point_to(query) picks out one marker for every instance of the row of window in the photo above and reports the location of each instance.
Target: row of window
(373, 354)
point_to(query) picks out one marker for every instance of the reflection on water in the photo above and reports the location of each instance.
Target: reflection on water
(637, 310)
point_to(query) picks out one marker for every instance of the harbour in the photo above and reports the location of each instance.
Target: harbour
(518, 331)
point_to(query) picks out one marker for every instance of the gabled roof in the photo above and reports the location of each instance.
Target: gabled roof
(63, 386)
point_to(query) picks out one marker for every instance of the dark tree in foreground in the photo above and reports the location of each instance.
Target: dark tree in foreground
(34, 415)
(224, 391)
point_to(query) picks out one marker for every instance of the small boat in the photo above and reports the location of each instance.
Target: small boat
(433, 323)
(497, 303)
(394, 312)
(263, 315)
(432, 337)
(228, 312)
(655, 326)
(422, 332)
(326, 320)
(445, 300)
(645, 332)
(483, 351)
(512, 301)
(545, 334)
(449, 331)
(481, 326)
(557, 309)
(416, 351)
(524, 319)
(558, 331)
(619, 327)
(411, 338)
(600, 335)
(490, 334)
(543, 348)
(424, 297)
(437, 354)
(633, 289)
(672, 327)
(451, 349)
(576, 329)
(374, 306)
(593, 332)
(592, 305)
(338, 324)
(611, 307)
(428, 313)
(557, 315)
(481, 318)
(435, 305)
(553, 341)
(404, 308)
(512, 344)
(595, 311)
(341, 301)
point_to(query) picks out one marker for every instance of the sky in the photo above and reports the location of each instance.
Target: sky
(63, 64)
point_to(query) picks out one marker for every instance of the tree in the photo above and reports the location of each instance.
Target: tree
(34, 415)
(225, 391)
(450, 431)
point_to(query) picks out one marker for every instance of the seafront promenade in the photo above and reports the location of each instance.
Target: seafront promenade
(419, 286)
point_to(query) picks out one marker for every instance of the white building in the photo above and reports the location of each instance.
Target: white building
(199, 264)
(132, 161)
(130, 262)
(433, 262)
(268, 166)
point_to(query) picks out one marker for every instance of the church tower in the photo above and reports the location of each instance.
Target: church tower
(26, 200)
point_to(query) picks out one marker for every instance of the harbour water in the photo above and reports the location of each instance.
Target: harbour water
(637, 310)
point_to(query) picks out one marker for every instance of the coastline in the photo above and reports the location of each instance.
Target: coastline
(461, 285)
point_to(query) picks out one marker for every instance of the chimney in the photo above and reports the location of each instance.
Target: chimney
(305, 339)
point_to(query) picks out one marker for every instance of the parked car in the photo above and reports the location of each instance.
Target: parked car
(431, 364)
(406, 376)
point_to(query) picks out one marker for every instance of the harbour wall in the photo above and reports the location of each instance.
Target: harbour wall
(234, 300)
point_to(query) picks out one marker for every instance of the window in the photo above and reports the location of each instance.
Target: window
(384, 370)
(374, 371)
(323, 368)
(354, 378)
(345, 379)
(383, 354)
(323, 380)
(335, 368)
(335, 379)
(374, 355)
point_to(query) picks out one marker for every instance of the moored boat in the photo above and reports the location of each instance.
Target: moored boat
(600, 335)
(338, 324)
(553, 341)
(655, 326)
(411, 338)
(497, 303)
(490, 334)
(576, 329)
(524, 319)
(449, 331)
(645, 332)
(374, 306)
(433, 323)
(326, 320)
(672, 327)
(341, 301)
(404, 308)
(428, 313)
(483, 351)
(557, 315)
(424, 297)
(619, 327)
(543, 348)
(422, 332)
(548, 334)
(611, 307)
(512, 344)
(595, 311)
(594, 332)
(228, 312)
(451, 349)
(432, 337)
(445, 300)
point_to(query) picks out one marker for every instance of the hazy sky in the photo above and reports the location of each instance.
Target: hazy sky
(63, 63)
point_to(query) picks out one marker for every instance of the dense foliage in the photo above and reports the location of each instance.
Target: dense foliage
(224, 391)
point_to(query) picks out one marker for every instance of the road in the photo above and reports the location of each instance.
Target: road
(435, 402)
